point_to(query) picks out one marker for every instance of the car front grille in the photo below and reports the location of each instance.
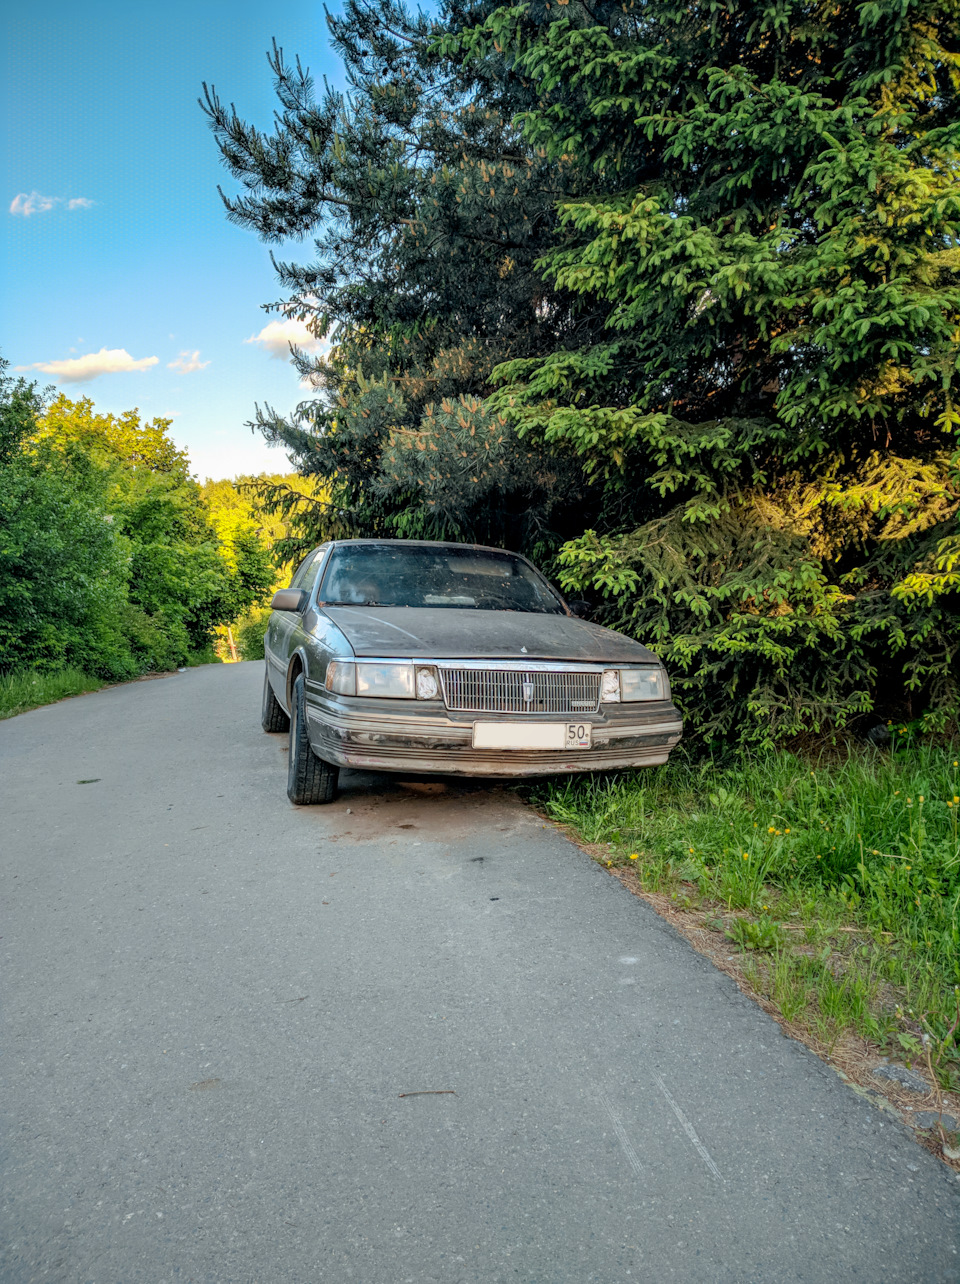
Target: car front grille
(515, 691)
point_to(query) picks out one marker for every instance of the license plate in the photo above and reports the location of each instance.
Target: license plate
(531, 735)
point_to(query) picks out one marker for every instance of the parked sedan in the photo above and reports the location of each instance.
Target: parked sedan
(404, 655)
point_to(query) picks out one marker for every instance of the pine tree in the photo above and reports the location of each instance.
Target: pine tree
(768, 221)
(428, 214)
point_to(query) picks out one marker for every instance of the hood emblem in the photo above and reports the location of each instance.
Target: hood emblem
(523, 650)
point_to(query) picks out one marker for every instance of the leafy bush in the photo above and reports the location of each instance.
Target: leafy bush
(248, 634)
(108, 560)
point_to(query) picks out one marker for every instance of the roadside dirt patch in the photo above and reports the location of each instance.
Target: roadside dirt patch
(375, 808)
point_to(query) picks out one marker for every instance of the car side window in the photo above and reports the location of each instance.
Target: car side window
(306, 576)
(300, 572)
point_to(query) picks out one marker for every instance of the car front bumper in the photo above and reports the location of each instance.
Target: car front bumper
(414, 737)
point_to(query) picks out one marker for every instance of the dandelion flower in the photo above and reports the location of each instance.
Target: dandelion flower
(920, 798)
(635, 856)
(771, 830)
(786, 831)
(955, 800)
(746, 856)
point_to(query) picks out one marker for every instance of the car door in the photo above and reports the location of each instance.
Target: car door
(285, 630)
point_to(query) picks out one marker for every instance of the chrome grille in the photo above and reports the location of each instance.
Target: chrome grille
(516, 691)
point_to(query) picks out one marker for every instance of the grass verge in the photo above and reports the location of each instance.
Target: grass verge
(829, 888)
(22, 691)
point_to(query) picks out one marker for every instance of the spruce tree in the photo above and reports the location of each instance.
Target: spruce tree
(767, 221)
(427, 213)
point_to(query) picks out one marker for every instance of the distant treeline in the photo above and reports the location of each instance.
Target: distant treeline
(113, 559)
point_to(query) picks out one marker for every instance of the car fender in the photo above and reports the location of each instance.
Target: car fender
(298, 664)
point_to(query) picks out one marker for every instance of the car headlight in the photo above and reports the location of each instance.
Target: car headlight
(341, 677)
(643, 684)
(349, 677)
(393, 680)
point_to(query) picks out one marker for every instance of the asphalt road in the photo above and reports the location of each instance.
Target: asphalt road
(218, 1010)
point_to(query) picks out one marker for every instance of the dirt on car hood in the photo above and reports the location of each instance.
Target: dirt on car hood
(449, 633)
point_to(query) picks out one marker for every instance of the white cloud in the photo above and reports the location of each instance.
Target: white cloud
(188, 361)
(92, 365)
(33, 203)
(27, 203)
(276, 338)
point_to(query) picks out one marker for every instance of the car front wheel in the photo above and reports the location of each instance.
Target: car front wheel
(309, 778)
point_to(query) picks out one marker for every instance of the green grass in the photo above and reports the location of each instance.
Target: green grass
(22, 691)
(838, 879)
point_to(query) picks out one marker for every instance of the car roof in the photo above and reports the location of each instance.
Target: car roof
(426, 543)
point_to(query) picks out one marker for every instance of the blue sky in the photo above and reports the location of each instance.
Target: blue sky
(115, 253)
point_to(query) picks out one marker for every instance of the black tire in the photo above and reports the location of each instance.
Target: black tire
(309, 778)
(272, 717)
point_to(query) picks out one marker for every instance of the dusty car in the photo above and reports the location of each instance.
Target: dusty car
(405, 655)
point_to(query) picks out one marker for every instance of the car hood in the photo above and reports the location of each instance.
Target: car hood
(446, 633)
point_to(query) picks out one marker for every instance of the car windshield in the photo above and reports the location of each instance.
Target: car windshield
(394, 575)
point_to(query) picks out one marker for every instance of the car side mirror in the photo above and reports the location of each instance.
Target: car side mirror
(288, 599)
(580, 609)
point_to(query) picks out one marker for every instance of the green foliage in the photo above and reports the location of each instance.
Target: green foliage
(856, 860)
(762, 933)
(671, 288)
(108, 562)
(875, 836)
(182, 580)
(249, 633)
(428, 215)
(769, 223)
(29, 689)
(280, 509)
(63, 566)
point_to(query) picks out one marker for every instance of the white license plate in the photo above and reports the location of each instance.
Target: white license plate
(531, 735)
